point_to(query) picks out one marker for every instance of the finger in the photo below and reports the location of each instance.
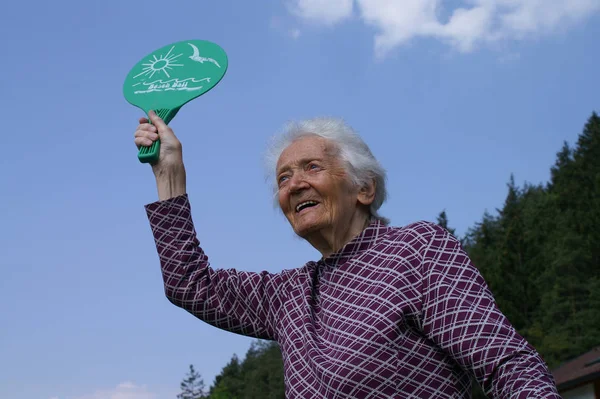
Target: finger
(146, 134)
(143, 120)
(148, 127)
(157, 121)
(142, 142)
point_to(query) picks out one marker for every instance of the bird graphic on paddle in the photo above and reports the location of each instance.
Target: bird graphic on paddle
(196, 57)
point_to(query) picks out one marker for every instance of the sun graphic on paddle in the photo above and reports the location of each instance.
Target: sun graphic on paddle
(160, 64)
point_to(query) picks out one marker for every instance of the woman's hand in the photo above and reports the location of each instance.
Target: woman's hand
(170, 147)
(169, 170)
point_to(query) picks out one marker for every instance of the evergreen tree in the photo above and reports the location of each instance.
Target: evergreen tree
(540, 254)
(442, 220)
(229, 383)
(192, 387)
(566, 327)
(511, 270)
(258, 376)
(262, 370)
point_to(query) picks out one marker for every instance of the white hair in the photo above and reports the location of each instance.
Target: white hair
(360, 164)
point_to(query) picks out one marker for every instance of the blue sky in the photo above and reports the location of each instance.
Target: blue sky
(451, 96)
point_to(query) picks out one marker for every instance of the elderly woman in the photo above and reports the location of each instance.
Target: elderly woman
(387, 312)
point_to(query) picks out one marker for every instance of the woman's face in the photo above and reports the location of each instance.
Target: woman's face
(315, 193)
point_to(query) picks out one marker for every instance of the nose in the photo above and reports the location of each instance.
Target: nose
(297, 182)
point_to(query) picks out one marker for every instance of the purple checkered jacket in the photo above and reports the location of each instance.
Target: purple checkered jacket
(396, 313)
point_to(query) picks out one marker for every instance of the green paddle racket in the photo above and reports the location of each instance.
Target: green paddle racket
(170, 77)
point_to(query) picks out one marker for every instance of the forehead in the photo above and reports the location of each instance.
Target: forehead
(306, 148)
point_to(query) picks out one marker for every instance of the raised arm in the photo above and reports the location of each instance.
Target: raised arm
(240, 302)
(460, 315)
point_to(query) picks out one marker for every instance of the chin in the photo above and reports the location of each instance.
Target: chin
(307, 229)
(302, 231)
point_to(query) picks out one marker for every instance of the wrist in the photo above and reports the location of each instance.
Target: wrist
(170, 181)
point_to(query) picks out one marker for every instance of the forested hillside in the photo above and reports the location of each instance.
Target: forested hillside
(539, 253)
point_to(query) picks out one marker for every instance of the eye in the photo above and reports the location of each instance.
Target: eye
(282, 179)
(313, 166)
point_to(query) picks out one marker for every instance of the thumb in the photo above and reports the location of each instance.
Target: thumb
(156, 120)
(165, 133)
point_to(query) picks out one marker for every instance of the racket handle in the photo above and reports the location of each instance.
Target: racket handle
(150, 154)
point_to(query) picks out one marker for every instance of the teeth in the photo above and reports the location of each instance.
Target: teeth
(302, 204)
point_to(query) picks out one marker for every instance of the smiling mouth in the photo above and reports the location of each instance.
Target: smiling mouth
(304, 205)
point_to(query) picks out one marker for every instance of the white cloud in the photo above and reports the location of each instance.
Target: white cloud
(125, 390)
(295, 33)
(326, 12)
(472, 24)
(282, 26)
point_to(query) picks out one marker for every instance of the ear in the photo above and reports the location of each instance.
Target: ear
(366, 195)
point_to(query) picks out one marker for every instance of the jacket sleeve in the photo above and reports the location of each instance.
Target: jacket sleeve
(460, 315)
(240, 302)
